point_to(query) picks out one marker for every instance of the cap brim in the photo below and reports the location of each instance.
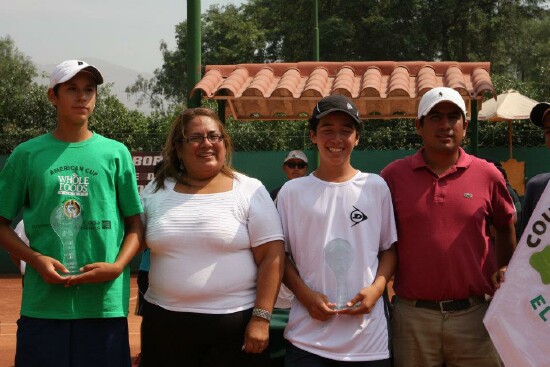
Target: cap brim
(537, 113)
(324, 113)
(90, 69)
(298, 158)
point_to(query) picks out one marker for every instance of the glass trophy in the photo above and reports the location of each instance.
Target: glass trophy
(66, 222)
(339, 257)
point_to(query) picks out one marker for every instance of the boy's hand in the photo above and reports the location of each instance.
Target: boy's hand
(96, 273)
(364, 301)
(318, 306)
(49, 269)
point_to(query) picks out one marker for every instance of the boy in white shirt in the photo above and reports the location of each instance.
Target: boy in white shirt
(337, 213)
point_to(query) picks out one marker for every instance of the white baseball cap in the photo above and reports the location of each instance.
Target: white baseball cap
(69, 68)
(437, 95)
(296, 154)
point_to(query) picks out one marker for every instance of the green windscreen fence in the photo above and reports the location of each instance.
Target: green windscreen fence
(267, 167)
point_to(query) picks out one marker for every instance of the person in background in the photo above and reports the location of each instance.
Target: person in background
(294, 166)
(540, 117)
(444, 199)
(513, 194)
(216, 253)
(21, 265)
(143, 284)
(143, 279)
(339, 234)
(143, 276)
(75, 187)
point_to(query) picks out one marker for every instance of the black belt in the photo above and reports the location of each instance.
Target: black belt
(446, 306)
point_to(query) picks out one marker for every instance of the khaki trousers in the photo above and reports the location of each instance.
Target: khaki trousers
(429, 338)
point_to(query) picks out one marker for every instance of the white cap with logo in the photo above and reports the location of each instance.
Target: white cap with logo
(437, 95)
(69, 68)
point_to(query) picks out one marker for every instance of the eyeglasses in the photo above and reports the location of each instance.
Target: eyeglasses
(197, 139)
(296, 165)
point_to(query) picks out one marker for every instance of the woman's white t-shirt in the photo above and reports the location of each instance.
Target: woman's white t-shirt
(201, 258)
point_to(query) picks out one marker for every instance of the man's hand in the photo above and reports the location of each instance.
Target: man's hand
(498, 277)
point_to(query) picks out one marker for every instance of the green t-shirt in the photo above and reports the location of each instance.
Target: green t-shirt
(93, 181)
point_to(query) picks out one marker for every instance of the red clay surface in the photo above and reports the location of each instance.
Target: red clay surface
(10, 301)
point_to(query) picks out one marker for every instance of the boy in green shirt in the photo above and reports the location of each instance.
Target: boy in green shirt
(77, 190)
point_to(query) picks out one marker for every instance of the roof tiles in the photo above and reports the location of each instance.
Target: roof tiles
(384, 89)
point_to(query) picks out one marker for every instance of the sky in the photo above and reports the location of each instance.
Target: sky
(123, 32)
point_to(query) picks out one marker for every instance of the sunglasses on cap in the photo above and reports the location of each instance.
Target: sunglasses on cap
(293, 165)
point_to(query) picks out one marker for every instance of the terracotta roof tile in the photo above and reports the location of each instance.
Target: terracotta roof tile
(287, 84)
(371, 83)
(384, 89)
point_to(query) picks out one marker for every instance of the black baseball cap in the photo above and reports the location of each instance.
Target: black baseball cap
(335, 103)
(538, 112)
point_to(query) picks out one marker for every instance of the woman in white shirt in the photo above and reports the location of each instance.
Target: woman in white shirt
(216, 253)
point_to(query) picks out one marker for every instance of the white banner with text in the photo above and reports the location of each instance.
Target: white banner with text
(518, 318)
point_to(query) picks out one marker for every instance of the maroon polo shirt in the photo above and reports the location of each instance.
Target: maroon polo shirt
(444, 249)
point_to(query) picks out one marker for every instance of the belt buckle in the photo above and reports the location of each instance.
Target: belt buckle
(441, 305)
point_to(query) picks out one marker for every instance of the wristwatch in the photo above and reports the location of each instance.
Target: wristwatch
(259, 312)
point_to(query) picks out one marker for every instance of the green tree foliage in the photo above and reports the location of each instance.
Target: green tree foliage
(229, 36)
(513, 35)
(112, 119)
(26, 112)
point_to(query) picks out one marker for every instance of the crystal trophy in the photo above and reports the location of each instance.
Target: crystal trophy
(66, 222)
(338, 256)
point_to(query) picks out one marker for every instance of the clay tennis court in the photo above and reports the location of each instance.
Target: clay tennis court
(10, 301)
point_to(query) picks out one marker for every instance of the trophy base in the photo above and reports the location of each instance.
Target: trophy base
(71, 272)
(345, 307)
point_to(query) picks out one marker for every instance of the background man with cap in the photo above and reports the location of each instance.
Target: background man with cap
(443, 199)
(73, 186)
(337, 316)
(294, 166)
(540, 116)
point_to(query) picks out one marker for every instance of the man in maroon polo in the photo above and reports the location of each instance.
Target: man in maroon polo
(444, 200)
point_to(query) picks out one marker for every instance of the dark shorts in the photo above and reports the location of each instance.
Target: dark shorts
(72, 343)
(189, 339)
(296, 357)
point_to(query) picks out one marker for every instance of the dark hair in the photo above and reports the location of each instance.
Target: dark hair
(171, 165)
